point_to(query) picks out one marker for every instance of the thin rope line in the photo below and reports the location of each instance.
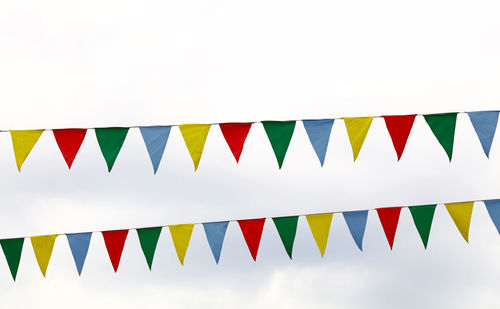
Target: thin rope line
(260, 121)
(236, 220)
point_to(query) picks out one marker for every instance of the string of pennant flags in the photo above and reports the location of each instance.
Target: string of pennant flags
(279, 133)
(319, 224)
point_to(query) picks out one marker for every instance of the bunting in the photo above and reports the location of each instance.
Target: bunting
(443, 127)
(195, 136)
(181, 235)
(69, 142)
(279, 133)
(23, 142)
(357, 129)
(43, 246)
(251, 229)
(111, 141)
(155, 139)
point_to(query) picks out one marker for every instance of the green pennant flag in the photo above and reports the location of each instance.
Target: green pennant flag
(279, 134)
(422, 216)
(287, 228)
(111, 141)
(12, 249)
(148, 237)
(443, 127)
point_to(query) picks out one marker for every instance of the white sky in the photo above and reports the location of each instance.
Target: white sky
(95, 63)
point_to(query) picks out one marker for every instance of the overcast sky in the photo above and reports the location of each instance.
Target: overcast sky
(108, 63)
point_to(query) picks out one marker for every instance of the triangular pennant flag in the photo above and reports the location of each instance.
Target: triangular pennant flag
(23, 141)
(111, 141)
(12, 249)
(320, 228)
(215, 232)
(181, 235)
(319, 135)
(493, 207)
(357, 129)
(69, 142)
(422, 216)
(42, 246)
(443, 127)
(252, 232)
(79, 245)
(287, 228)
(399, 128)
(356, 221)
(485, 124)
(461, 214)
(389, 217)
(195, 136)
(115, 241)
(155, 139)
(279, 134)
(235, 135)
(148, 237)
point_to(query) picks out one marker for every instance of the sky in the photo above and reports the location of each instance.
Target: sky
(128, 63)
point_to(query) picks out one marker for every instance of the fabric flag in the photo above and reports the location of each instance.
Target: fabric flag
(356, 221)
(42, 246)
(12, 249)
(181, 235)
(69, 142)
(235, 135)
(110, 141)
(389, 218)
(195, 136)
(399, 128)
(280, 134)
(252, 232)
(493, 207)
(443, 127)
(79, 245)
(215, 232)
(22, 142)
(422, 216)
(357, 129)
(320, 228)
(319, 135)
(155, 139)
(148, 237)
(115, 241)
(287, 229)
(485, 124)
(461, 214)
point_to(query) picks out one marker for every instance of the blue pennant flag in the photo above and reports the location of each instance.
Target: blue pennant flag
(485, 124)
(356, 221)
(79, 244)
(319, 135)
(216, 231)
(493, 207)
(155, 139)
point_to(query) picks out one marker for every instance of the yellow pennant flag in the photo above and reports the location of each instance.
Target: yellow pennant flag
(181, 234)
(461, 214)
(357, 128)
(320, 228)
(23, 141)
(43, 245)
(195, 136)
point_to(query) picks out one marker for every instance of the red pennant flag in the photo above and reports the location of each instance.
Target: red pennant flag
(252, 232)
(399, 128)
(235, 135)
(69, 142)
(389, 217)
(114, 241)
